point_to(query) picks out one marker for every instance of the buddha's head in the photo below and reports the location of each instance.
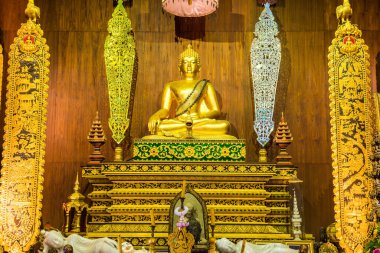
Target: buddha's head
(189, 63)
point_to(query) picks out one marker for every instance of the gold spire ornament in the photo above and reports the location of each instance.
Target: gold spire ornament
(119, 55)
(24, 137)
(296, 219)
(283, 139)
(97, 139)
(351, 132)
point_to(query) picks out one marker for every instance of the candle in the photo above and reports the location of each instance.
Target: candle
(152, 221)
(183, 189)
(243, 246)
(212, 213)
(119, 244)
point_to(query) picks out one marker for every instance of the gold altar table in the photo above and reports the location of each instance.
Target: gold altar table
(251, 201)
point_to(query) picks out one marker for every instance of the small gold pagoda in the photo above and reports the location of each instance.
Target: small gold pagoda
(75, 211)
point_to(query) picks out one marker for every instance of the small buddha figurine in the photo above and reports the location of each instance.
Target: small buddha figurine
(197, 106)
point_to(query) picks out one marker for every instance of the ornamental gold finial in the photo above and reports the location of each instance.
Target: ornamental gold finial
(76, 196)
(189, 52)
(344, 11)
(32, 11)
(97, 139)
(76, 185)
(296, 219)
(283, 139)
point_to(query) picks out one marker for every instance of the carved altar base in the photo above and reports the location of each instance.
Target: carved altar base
(189, 150)
(251, 201)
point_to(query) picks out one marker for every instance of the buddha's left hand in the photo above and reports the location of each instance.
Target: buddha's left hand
(154, 121)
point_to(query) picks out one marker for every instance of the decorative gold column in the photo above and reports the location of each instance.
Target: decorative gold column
(24, 137)
(351, 132)
(119, 55)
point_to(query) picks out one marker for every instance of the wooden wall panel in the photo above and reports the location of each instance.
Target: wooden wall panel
(76, 30)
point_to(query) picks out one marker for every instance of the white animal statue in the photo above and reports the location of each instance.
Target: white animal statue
(224, 245)
(54, 239)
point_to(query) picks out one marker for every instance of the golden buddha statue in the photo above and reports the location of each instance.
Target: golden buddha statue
(197, 106)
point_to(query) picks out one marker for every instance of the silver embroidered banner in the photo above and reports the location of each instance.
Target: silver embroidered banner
(265, 66)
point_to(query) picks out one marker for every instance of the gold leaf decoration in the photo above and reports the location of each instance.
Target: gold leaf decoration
(119, 55)
(351, 132)
(24, 138)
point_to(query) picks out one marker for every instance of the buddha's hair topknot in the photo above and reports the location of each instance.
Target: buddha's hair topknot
(189, 52)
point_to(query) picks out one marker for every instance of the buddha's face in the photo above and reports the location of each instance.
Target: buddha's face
(189, 66)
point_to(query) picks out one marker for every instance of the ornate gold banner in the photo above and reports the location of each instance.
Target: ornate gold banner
(1, 70)
(119, 55)
(24, 138)
(351, 132)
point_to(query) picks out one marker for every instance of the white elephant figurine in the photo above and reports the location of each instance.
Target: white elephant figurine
(226, 246)
(54, 239)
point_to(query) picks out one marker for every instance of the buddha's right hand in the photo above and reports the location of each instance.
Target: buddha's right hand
(153, 123)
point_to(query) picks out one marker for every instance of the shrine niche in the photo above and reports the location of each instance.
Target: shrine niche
(196, 215)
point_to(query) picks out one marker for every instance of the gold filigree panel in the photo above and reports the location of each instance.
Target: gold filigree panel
(101, 203)
(351, 135)
(250, 229)
(140, 201)
(188, 168)
(194, 185)
(177, 169)
(122, 228)
(24, 138)
(119, 55)
(102, 187)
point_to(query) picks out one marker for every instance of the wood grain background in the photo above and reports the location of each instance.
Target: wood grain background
(76, 30)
